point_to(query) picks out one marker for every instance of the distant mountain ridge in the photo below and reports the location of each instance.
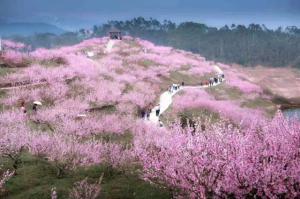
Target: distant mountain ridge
(26, 29)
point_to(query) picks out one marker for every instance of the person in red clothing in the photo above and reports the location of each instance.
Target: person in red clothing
(23, 109)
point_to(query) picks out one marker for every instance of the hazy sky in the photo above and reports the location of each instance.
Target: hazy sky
(71, 14)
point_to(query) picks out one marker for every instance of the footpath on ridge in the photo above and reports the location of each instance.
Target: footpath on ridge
(166, 98)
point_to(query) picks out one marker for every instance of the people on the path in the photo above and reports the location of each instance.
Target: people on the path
(216, 80)
(34, 107)
(160, 123)
(211, 81)
(143, 113)
(220, 78)
(170, 89)
(175, 87)
(148, 114)
(157, 110)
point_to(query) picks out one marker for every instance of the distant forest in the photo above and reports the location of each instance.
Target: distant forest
(246, 45)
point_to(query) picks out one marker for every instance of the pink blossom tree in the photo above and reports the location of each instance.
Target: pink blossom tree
(4, 178)
(85, 190)
(13, 45)
(226, 109)
(224, 161)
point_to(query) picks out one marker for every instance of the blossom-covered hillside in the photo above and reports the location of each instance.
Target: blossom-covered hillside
(78, 112)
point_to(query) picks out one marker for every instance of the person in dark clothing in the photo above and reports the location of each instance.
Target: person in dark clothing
(182, 83)
(216, 80)
(148, 115)
(34, 107)
(157, 112)
(143, 113)
(175, 86)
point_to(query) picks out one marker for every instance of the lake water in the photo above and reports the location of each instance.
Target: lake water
(291, 113)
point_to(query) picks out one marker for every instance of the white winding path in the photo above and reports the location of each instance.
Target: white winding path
(109, 46)
(166, 98)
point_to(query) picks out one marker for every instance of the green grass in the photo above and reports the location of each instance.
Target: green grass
(76, 90)
(133, 44)
(185, 67)
(181, 76)
(268, 106)
(146, 63)
(50, 63)
(36, 177)
(200, 114)
(224, 92)
(2, 94)
(40, 126)
(197, 114)
(122, 139)
(5, 71)
(102, 109)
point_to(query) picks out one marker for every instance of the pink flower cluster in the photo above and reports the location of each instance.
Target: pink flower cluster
(13, 57)
(62, 148)
(227, 109)
(13, 45)
(223, 161)
(233, 79)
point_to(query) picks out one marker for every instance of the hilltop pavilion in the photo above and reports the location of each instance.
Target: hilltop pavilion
(115, 33)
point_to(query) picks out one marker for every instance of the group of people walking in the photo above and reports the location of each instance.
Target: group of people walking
(213, 80)
(145, 113)
(34, 106)
(175, 87)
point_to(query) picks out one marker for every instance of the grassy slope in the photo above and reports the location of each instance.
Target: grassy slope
(4, 71)
(36, 177)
